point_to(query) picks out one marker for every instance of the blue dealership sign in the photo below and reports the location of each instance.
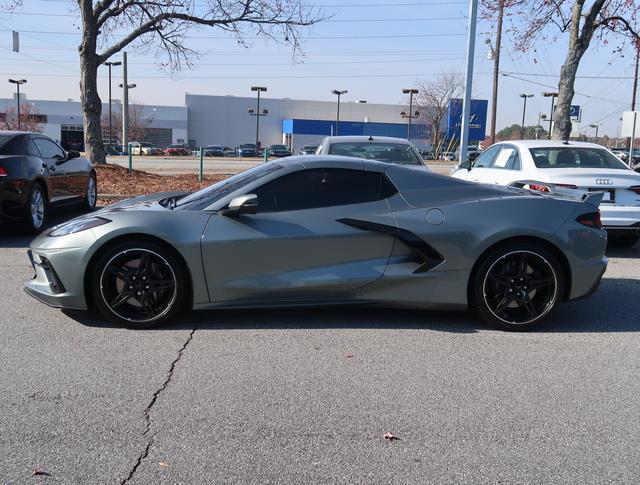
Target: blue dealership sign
(575, 113)
(477, 121)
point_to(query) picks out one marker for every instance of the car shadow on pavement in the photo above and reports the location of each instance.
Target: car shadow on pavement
(614, 308)
(620, 252)
(15, 236)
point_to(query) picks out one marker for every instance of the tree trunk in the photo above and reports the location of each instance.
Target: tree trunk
(89, 98)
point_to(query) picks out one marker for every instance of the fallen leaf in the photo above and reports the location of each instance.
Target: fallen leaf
(41, 473)
(390, 437)
(348, 356)
(163, 464)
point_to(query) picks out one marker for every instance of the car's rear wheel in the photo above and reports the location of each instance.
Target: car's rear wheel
(624, 240)
(517, 285)
(36, 211)
(139, 285)
(91, 194)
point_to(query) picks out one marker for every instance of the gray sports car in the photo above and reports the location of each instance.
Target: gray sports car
(322, 230)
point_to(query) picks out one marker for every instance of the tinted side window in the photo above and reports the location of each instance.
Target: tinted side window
(310, 189)
(486, 158)
(13, 146)
(47, 148)
(30, 148)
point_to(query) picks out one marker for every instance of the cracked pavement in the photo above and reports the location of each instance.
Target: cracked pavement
(306, 395)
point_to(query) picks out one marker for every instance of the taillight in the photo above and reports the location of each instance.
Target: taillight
(635, 188)
(539, 188)
(3, 172)
(591, 219)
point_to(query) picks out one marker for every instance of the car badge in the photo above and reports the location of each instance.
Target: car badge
(604, 181)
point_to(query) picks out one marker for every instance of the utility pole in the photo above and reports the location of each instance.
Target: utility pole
(524, 110)
(109, 64)
(125, 103)
(411, 115)
(466, 102)
(18, 82)
(338, 93)
(258, 114)
(635, 78)
(496, 69)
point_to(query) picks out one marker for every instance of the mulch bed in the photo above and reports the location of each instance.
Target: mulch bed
(114, 180)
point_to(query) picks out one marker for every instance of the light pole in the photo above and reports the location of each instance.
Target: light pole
(541, 117)
(18, 82)
(524, 111)
(109, 64)
(410, 92)
(596, 127)
(258, 114)
(125, 113)
(553, 97)
(338, 93)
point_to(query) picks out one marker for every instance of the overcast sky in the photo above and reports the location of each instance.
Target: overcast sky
(373, 48)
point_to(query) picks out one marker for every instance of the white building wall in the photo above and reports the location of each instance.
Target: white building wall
(224, 120)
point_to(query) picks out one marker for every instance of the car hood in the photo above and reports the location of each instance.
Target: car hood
(592, 177)
(141, 202)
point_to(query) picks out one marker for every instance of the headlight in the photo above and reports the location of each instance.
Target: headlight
(77, 226)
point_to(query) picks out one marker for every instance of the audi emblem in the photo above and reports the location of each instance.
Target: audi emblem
(604, 181)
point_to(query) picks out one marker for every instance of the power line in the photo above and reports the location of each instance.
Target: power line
(577, 77)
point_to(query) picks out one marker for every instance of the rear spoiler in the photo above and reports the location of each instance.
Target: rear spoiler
(593, 198)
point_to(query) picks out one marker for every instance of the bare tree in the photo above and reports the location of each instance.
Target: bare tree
(139, 124)
(433, 100)
(30, 118)
(549, 19)
(164, 25)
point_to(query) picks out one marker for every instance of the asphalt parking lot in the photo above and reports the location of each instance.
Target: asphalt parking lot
(306, 395)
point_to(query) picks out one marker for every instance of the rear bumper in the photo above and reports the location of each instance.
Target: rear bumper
(586, 278)
(620, 216)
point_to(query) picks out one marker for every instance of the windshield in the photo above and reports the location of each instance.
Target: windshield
(205, 197)
(575, 157)
(278, 147)
(384, 152)
(247, 145)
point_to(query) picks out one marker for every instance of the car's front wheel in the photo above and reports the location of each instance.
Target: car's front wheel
(91, 194)
(517, 285)
(139, 284)
(36, 210)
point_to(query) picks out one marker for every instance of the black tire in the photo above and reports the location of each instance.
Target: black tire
(35, 219)
(624, 240)
(517, 286)
(91, 193)
(139, 294)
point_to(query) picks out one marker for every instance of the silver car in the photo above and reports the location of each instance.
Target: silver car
(381, 148)
(326, 230)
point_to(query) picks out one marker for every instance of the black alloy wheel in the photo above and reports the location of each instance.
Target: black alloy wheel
(517, 286)
(139, 285)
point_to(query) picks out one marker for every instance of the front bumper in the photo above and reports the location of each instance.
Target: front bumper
(58, 279)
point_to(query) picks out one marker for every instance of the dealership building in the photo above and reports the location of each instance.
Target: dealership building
(231, 121)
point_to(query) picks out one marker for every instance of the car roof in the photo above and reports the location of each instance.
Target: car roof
(550, 144)
(361, 138)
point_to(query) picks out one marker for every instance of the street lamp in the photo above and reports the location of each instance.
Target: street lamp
(338, 93)
(553, 97)
(258, 114)
(524, 110)
(125, 111)
(18, 82)
(410, 92)
(541, 117)
(109, 64)
(596, 127)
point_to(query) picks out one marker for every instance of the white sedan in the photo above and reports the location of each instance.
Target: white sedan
(571, 168)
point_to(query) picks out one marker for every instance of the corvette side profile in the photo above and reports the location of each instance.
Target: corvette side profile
(318, 230)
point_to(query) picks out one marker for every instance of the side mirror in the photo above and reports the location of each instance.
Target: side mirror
(72, 154)
(465, 164)
(244, 204)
